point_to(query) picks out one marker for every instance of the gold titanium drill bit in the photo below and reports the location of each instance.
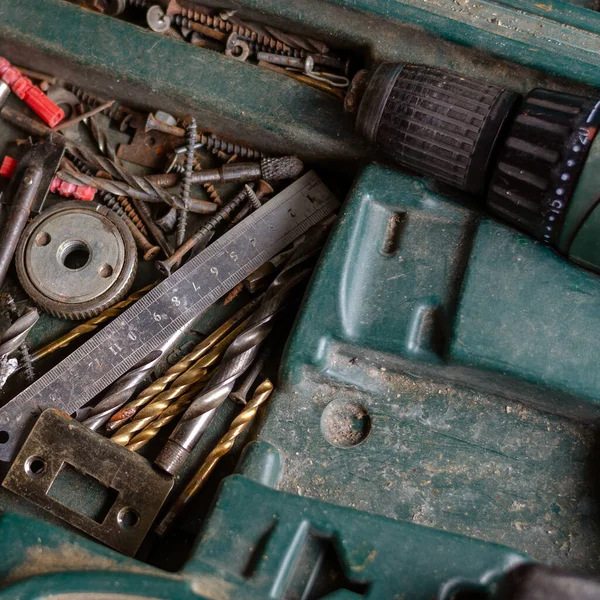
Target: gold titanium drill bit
(225, 444)
(168, 414)
(90, 325)
(180, 367)
(180, 386)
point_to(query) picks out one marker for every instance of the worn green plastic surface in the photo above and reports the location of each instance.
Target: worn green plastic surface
(435, 346)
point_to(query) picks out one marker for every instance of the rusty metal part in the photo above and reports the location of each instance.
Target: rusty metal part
(209, 32)
(149, 250)
(90, 325)
(160, 22)
(194, 375)
(153, 228)
(56, 441)
(37, 76)
(152, 123)
(132, 214)
(224, 213)
(186, 183)
(240, 355)
(146, 148)
(180, 367)
(168, 221)
(234, 293)
(215, 144)
(209, 187)
(225, 444)
(237, 47)
(12, 314)
(197, 40)
(83, 116)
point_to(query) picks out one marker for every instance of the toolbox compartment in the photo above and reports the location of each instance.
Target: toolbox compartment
(385, 465)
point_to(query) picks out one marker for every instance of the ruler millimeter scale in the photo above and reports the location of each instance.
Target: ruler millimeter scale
(167, 308)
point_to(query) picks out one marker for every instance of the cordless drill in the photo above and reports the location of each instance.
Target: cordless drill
(535, 159)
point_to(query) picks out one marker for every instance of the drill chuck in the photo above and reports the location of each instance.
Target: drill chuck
(533, 160)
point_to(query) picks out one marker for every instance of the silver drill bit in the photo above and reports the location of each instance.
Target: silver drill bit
(242, 352)
(186, 183)
(15, 335)
(124, 388)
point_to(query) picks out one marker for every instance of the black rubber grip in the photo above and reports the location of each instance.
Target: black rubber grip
(540, 161)
(435, 122)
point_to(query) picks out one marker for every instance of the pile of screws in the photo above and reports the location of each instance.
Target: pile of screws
(303, 58)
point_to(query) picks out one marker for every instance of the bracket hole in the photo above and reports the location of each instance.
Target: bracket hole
(35, 466)
(345, 423)
(4, 437)
(128, 518)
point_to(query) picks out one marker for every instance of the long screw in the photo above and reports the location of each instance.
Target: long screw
(181, 386)
(124, 387)
(215, 144)
(168, 221)
(241, 353)
(186, 182)
(180, 367)
(154, 229)
(23, 348)
(225, 444)
(90, 325)
(260, 42)
(209, 187)
(166, 266)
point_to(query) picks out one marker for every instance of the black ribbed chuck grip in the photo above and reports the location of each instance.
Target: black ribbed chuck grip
(538, 166)
(435, 122)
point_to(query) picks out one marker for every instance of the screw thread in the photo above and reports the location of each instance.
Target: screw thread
(186, 183)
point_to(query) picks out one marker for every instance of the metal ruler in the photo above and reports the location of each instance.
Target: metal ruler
(170, 306)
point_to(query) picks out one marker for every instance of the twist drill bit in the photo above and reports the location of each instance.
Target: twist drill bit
(180, 367)
(124, 387)
(15, 335)
(186, 183)
(241, 353)
(151, 430)
(269, 169)
(195, 373)
(237, 427)
(90, 325)
(13, 315)
(146, 193)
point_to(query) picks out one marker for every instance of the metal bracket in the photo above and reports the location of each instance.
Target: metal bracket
(57, 442)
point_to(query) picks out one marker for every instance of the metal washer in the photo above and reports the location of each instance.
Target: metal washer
(75, 260)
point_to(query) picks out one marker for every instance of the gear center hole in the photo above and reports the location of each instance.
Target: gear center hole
(74, 254)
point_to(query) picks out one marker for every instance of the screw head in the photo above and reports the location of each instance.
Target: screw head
(27, 181)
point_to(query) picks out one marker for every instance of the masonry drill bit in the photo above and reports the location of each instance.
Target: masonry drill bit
(151, 430)
(188, 379)
(15, 335)
(90, 325)
(124, 387)
(241, 353)
(237, 427)
(180, 367)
